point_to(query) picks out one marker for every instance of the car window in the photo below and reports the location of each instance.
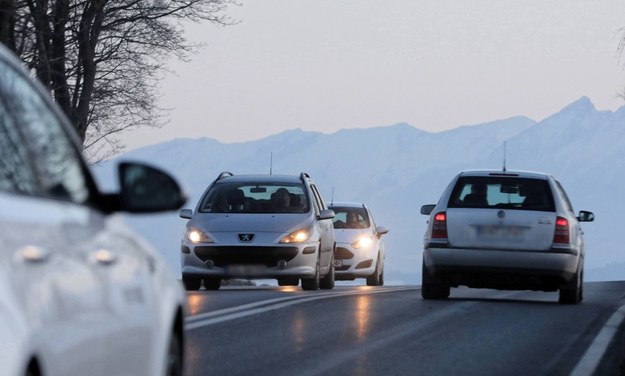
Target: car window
(16, 172)
(350, 217)
(255, 198)
(319, 204)
(54, 157)
(502, 192)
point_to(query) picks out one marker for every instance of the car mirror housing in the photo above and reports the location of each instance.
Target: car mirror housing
(381, 230)
(146, 189)
(427, 209)
(326, 214)
(186, 213)
(585, 216)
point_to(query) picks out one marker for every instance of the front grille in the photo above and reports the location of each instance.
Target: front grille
(229, 255)
(343, 254)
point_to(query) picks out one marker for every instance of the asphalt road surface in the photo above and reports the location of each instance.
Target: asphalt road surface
(359, 330)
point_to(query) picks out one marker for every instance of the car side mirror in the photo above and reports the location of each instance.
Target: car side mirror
(380, 230)
(585, 216)
(326, 214)
(186, 213)
(146, 189)
(427, 209)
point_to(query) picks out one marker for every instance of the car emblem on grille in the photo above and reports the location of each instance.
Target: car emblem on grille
(501, 214)
(246, 238)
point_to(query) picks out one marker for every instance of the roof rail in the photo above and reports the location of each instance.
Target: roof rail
(224, 174)
(304, 176)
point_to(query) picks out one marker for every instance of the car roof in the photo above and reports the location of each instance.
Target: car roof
(261, 178)
(508, 173)
(347, 204)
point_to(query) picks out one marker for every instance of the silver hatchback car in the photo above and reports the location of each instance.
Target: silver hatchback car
(504, 230)
(360, 250)
(259, 226)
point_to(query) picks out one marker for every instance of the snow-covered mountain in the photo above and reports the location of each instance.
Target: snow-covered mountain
(396, 169)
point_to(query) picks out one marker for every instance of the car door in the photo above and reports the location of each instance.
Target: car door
(327, 232)
(47, 231)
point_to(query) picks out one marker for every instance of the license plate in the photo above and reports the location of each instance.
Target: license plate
(242, 270)
(338, 263)
(500, 232)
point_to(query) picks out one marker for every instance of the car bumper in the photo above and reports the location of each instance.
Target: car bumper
(350, 263)
(501, 268)
(258, 261)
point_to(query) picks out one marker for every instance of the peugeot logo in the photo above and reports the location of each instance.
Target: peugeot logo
(246, 238)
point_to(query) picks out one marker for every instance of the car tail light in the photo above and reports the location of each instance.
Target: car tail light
(561, 235)
(439, 226)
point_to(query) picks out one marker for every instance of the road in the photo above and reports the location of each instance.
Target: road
(359, 330)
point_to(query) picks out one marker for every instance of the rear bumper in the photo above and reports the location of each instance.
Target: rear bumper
(508, 269)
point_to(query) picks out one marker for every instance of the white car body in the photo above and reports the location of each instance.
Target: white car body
(80, 294)
(522, 234)
(360, 251)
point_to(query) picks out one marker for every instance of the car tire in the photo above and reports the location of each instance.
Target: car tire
(288, 281)
(327, 282)
(191, 283)
(376, 279)
(174, 356)
(432, 288)
(312, 283)
(212, 283)
(573, 292)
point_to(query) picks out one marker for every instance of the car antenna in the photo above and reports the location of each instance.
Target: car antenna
(270, 162)
(332, 198)
(504, 156)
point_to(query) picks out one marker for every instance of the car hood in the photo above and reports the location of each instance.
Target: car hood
(280, 223)
(349, 235)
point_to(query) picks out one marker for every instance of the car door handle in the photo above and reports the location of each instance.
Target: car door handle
(32, 254)
(103, 257)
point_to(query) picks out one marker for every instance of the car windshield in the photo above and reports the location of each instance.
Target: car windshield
(346, 217)
(255, 198)
(502, 192)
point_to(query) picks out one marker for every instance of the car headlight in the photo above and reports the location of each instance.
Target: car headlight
(298, 236)
(196, 236)
(363, 241)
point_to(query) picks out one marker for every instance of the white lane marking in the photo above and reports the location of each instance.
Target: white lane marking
(227, 314)
(589, 362)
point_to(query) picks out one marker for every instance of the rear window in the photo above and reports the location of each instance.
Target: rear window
(502, 192)
(255, 198)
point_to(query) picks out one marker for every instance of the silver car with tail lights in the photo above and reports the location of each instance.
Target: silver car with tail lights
(259, 226)
(504, 230)
(360, 251)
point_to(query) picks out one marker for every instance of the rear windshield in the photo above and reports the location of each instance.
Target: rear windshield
(255, 198)
(502, 192)
(346, 217)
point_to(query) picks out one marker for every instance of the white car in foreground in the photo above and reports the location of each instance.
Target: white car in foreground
(360, 251)
(504, 230)
(80, 294)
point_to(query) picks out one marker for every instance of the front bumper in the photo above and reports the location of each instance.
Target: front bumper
(351, 263)
(258, 261)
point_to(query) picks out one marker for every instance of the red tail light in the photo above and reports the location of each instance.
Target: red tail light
(561, 235)
(439, 226)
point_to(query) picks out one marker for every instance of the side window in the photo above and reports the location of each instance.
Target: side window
(567, 202)
(319, 206)
(54, 157)
(16, 172)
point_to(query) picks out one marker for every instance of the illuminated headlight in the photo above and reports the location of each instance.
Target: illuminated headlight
(298, 236)
(363, 241)
(196, 236)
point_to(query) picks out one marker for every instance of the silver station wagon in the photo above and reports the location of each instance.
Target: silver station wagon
(505, 230)
(259, 226)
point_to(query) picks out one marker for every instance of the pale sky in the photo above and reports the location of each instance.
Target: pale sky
(325, 65)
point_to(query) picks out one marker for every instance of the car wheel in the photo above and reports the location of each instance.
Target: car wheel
(327, 282)
(191, 283)
(312, 283)
(174, 356)
(432, 288)
(573, 292)
(374, 279)
(288, 281)
(212, 283)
